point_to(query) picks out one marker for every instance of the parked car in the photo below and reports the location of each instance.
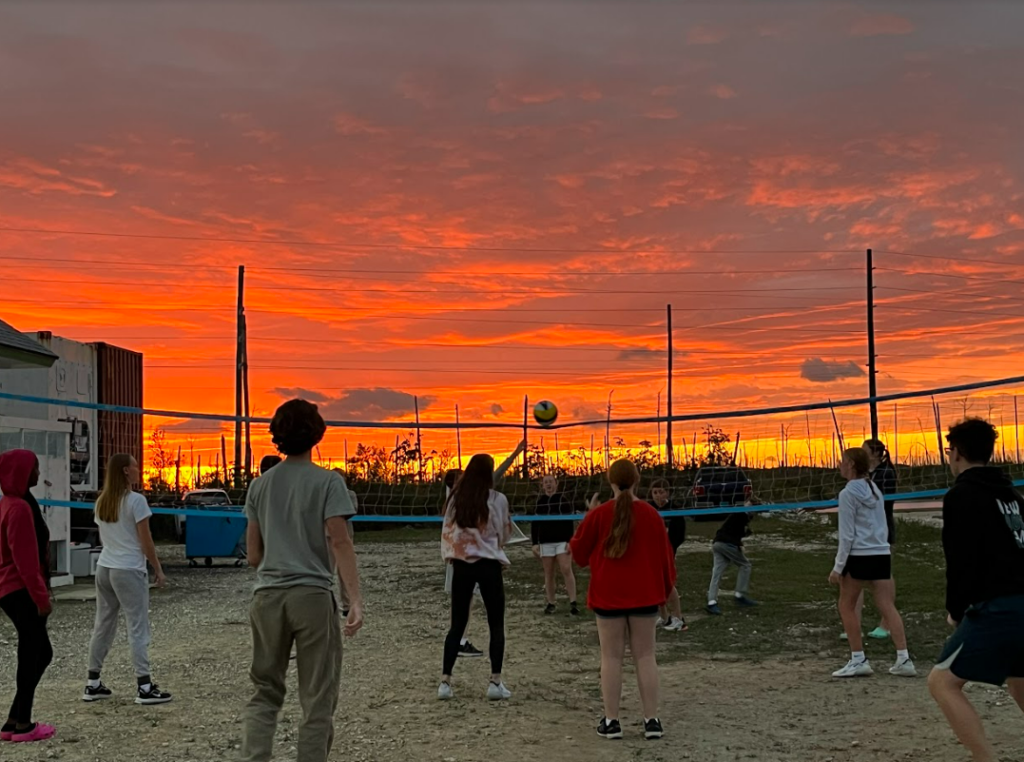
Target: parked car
(195, 498)
(719, 486)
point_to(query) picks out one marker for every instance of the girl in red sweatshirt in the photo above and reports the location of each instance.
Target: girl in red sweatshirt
(24, 595)
(632, 573)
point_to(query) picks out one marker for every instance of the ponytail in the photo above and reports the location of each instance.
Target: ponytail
(622, 526)
(622, 474)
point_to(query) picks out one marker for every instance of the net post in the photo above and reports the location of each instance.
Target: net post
(872, 371)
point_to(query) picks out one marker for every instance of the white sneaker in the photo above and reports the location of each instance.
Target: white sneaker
(444, 692)
(903, 668)
(659, 622)
(855, 669)
(674, 625)
(498, 692)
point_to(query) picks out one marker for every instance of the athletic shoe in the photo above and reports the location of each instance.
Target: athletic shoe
(468, 651)
(659, 622)
(745, 603)
(609, 729)
(855, 669)
(675, 625)
(444, 692)
(903, 668)
(153, 696)
(574, 609)
(498, 692)
(653, 729)
(40, 732)
(549, 609)
(98, 693)
(879, 634)
(712, 608)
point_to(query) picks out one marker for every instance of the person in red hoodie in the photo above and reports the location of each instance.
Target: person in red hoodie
(24, 594)
(632, 573)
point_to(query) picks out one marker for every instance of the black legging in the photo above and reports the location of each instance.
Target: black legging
(34, 651)
(466, 576)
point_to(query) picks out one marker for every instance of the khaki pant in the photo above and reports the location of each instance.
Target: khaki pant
(308, 617)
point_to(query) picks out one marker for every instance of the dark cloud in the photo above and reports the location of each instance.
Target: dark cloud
(497, 409)
(376, 404)
(824, 371)
(291, 392)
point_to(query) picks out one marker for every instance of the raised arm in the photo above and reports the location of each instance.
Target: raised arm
(499, 472)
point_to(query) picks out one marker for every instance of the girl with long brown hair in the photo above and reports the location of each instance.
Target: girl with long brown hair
(122, 581)
(624, 543)
(476, 527)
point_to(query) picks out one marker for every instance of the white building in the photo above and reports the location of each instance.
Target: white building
(48, 439)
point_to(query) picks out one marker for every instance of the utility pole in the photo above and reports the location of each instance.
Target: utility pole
(245, 399)
(668, 419)
(872, 371)
(458, 436)
(419, 440)
(239, 360)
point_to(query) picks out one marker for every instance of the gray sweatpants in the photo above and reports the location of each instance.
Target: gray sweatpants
(117, 590)
(726, 554)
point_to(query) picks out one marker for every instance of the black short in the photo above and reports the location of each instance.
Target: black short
(868, 568)
(642, 611)
(988, 646)
(677, 532)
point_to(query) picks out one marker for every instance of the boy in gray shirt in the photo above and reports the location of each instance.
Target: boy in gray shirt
(298, 515)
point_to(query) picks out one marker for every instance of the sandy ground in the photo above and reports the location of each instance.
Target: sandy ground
(714, 709)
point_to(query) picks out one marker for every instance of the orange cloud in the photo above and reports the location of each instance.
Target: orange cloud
(881, 24)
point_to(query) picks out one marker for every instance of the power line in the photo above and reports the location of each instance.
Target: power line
(949, 259)
(957, 276)
(408, 246)
(462, 273)
(556, 292)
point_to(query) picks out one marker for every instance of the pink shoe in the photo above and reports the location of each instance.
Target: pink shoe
(41, 732)
(6, 735)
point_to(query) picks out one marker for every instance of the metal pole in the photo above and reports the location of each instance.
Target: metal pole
(872, 370)
(526, 420)
(239, 356)
(245, 396)
(419, 441)
(668, 419)
(458, 436)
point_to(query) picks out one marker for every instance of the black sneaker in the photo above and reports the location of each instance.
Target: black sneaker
(574, 609)
(153, 696)
(549, 609)
(98, 693)
(653, 729)
(609, 729)
(468, 650)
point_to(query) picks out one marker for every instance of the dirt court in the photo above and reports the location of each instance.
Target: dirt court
(717, 705)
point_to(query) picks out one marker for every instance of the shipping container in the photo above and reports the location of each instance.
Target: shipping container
(119, 382)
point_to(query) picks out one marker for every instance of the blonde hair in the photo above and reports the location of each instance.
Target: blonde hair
(622, 474)
(115, 487)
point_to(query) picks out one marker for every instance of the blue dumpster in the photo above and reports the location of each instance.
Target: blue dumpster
(215, 536)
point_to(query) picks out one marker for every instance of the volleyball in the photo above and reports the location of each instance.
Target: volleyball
(545, 412)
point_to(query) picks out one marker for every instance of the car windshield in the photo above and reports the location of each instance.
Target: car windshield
(207, 499)
(720, 475)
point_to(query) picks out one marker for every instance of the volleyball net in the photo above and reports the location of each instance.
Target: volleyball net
(718, 462)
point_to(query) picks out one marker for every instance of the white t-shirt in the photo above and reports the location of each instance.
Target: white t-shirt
(120, 539)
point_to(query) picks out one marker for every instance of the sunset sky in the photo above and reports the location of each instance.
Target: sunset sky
(474, 202)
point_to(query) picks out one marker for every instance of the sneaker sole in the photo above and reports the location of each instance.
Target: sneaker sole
(854, 674)
(470, 656)
(610, 736)
(87, 697)
(654, 736)
(903, 674)
(150, 702)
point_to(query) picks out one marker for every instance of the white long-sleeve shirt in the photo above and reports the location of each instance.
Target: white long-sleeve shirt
(862, 527)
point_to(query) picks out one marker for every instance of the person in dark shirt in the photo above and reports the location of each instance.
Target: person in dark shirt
(983, 540)
(672, 612)
(728, 550)
(551, 543)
